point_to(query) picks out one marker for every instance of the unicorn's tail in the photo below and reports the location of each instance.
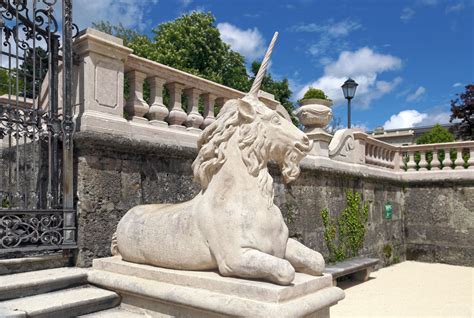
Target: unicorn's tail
(114, 246)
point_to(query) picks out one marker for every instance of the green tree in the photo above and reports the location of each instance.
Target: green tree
(435, 135)
(3, 81)
(463, 108)
(280, 89)
(190, 43)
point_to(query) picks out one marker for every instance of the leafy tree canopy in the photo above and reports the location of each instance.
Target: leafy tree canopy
(435, 135)
(463, 108)
(192, 43)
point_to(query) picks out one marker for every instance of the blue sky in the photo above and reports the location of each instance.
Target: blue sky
(409, 57)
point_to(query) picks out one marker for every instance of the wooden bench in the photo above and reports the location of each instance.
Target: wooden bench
(359, 268)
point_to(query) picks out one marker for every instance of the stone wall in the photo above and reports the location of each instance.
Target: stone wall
(439, 222)
(115, 174)
(432, 221)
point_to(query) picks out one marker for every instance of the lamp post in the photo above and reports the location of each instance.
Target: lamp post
(349, 88)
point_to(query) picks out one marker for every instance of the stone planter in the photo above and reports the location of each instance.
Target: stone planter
(315, 114)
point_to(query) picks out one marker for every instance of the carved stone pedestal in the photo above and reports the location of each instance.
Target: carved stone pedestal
(166, 292)
(321, 140)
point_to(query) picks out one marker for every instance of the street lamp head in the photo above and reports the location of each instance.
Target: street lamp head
(349, 88)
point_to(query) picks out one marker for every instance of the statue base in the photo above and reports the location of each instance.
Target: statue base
(166, 292)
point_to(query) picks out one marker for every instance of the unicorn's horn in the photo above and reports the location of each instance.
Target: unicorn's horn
(263, 68)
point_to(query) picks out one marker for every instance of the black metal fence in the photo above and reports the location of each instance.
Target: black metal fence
(36, 126)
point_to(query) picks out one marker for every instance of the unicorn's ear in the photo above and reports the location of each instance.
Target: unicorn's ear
(246, 111)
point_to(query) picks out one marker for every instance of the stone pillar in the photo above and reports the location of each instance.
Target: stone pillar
(459, 162)
(411, 164)
(177, 116)
(321, 140)
(135, 106)
(209, 102)
(435, 161)
(447, 160)
(98, 81)
(158, 111)
(423, 164)
(470, 162)
(194, 119)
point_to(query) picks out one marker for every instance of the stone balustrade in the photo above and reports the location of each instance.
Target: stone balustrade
(100, 76)
(443, 156)
(430, 157)
(178, 83)
(104, 65)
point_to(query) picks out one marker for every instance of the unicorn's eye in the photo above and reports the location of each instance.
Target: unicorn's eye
(276, 120)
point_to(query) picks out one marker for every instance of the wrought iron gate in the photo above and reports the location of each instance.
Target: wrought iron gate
(36, 126)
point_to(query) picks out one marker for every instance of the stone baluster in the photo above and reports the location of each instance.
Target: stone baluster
(423, 164)
(411, 164)
(459, 161)
(397, 161)
(470, 162)
(194, 119)
(220, 101)
(435, 161)
(209, 102)
(135, 106)
(447, 160)
(158, 111)
(177, 116)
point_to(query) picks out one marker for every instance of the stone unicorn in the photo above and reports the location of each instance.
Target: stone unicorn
(232, 224)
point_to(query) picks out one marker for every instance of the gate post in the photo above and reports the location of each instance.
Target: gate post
(68, 129)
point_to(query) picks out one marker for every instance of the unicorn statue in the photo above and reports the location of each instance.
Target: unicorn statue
(232, 224)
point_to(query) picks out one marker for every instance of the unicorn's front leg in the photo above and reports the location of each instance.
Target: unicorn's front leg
(251, 263)
(304, 259)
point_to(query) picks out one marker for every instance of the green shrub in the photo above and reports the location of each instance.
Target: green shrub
(345, 234)
(314, 93)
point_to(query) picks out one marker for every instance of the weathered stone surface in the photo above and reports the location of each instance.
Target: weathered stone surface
(439, 222)
(207, 294)
(166, 176)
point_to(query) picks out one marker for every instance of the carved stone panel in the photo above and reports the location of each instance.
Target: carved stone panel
(106, 84)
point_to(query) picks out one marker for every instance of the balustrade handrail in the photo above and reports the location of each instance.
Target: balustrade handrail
(170, 74)
(368, 139)
(438, 146)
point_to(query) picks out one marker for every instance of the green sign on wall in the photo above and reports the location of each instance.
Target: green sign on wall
(388, 210)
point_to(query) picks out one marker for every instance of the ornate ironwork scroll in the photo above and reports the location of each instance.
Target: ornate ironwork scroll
(36, 132)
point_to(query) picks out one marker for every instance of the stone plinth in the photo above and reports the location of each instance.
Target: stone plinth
(207, 294)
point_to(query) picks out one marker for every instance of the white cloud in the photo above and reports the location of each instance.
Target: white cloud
(364, 66)
(248, 42)
(130, 13)
(416, 95)
(413, 118)
(457, 84)
(330, 35)
(455, 8)
(407, 14)
(435, 118)
(405, 119)
(185, 3)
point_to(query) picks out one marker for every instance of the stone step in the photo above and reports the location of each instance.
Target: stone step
(32, 263)
(38, 282)
(119, 312)
(64, 303)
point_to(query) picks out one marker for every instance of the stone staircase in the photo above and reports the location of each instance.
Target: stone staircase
(58, 292)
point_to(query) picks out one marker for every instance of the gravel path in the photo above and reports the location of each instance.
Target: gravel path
(410, 289)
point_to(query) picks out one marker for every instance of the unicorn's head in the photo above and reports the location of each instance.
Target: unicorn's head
(263, 135)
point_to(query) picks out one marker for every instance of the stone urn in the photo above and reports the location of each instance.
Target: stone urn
(314, 114)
